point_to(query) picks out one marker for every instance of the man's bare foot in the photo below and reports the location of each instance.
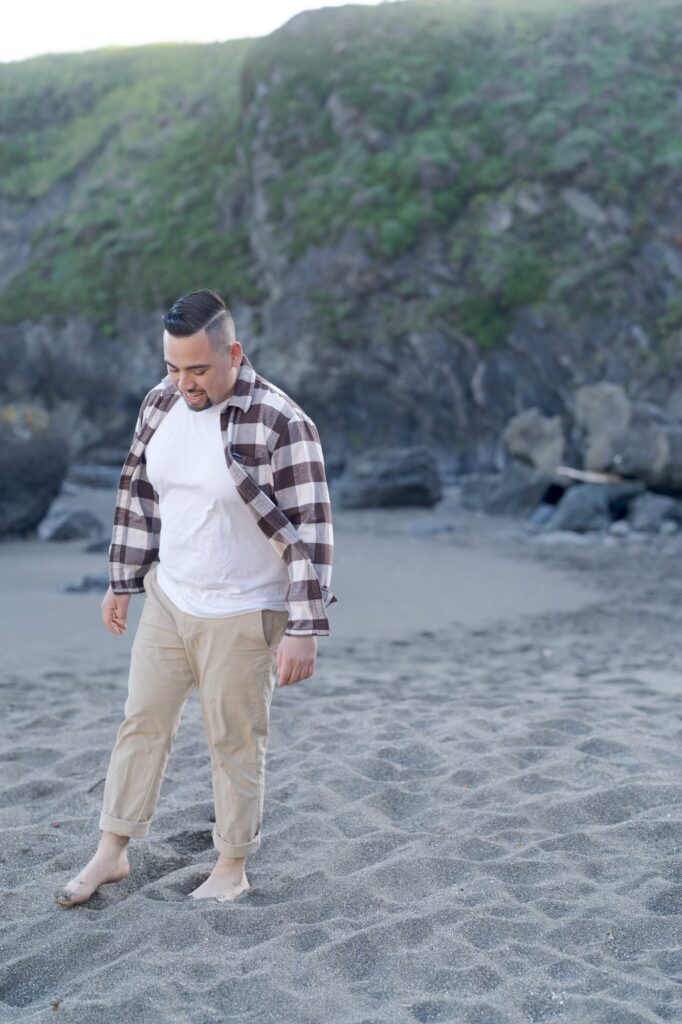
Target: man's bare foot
(225, 882)
(109, 864)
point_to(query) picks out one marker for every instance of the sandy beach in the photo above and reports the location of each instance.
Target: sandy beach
(473, 809)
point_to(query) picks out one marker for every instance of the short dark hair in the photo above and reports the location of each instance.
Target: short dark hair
(204, 310)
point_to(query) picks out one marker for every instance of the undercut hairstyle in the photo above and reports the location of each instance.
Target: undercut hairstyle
(204, 310)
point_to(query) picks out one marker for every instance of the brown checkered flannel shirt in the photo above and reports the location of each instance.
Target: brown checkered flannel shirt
(273, 452)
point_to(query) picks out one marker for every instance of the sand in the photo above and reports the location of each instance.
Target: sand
(473, 809)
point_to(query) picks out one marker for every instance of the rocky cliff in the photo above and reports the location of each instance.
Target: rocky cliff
(425, 217)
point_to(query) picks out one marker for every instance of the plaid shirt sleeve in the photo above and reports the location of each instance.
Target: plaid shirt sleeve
(135, 535)
(302, 495)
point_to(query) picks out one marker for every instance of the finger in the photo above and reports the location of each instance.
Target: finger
(113, 624)
(295, 673)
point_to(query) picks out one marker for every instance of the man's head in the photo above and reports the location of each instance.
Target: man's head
(200, 349)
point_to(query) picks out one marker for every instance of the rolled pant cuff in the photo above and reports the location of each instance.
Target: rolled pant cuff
(121, 827)
(230, 850)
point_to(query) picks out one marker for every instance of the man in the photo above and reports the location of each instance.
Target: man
(223, 519)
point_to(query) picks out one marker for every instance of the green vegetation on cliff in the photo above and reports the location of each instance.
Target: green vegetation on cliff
(135, 151)
(510, 134)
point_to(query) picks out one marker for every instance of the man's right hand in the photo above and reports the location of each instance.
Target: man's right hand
(115, 611)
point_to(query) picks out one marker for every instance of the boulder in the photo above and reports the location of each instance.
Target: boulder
(69, 524)
(649, 512)
(86, 475)
(638, 439)
(32, 469)
(518, 490)
(602, 412)
(98, 547)
(651, 449)
(86, 584)
(389, 476)
(593, 506)
(536, 439)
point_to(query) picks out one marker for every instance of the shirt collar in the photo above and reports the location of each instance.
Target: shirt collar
(243, 388)
(242, 393)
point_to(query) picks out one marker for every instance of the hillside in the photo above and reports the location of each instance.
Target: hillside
(425, 216)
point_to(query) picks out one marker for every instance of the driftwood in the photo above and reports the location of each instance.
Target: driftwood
(589, 476)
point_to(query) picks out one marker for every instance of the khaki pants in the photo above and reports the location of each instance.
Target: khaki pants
(232, 662)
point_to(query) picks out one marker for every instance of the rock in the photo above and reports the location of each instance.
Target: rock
(87, 584)
(583, 508)
(651, 449)
(431, 529)
(519, 489)
(649, 511)
(673, 406)
(536, 439)
(602, 412)
(98, 547)
(25, 419)
(664, 258)
(542, 514)
(641, 337)
(500, 219)
(69, 524)
(531, 199)
(561, 536)
(634, 439)
(32, 470)
(106, 455)
(593, 506)
(389, 476)
(584, 206)
(94, 476)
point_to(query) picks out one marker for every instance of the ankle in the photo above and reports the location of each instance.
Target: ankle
(230, 862)
(113, 845)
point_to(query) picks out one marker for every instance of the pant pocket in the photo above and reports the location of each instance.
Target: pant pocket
(147, 576)
(273, 624)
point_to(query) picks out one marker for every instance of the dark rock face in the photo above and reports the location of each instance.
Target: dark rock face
(436, 341)
(389, 476)
(31, 473)
(67, 524)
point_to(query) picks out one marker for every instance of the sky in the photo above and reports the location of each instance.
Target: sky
(47, 26)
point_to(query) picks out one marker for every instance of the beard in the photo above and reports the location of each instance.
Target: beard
(204, 402)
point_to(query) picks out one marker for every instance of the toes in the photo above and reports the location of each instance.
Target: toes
(64, 898)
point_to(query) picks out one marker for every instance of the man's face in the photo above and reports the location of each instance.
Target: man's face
(203, 376)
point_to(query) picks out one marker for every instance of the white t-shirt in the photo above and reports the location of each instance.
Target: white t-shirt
(213, 558)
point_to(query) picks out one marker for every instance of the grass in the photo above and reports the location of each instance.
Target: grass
(402, 121)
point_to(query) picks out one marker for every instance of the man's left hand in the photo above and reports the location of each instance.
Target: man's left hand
(296, 658)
